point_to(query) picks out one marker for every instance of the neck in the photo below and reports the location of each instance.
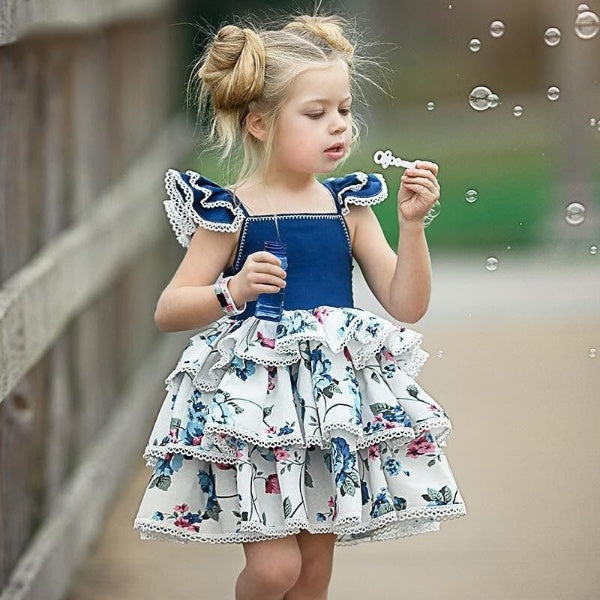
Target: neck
(289, 182)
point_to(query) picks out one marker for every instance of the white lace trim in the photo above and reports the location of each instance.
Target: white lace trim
(180, 211)
(396, 436)
(389, 526)
(344, 198)
(410, 365)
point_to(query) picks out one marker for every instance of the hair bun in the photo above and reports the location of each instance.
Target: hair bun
(330, 29)
(234, 70)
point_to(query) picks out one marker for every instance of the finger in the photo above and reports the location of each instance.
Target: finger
(426, 164)
(418, 173)
(428, 183)
(422, 190)
(264, 256)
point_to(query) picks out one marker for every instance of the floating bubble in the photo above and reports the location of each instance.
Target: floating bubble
(582, 8)
(552, 36)
(475, 45)
(493, 100)
(440, 353)
(517, 110)
(593, 352)
(434, 211)
(430, 105)
(553, 93)
(479, 97)
(593, 249)
(587, 25)
(592, 122)
(575, 213)
(497, 29)
(491, 264)
(471, 196)
(508, 247)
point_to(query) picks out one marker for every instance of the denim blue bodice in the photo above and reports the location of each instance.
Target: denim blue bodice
(318, 244)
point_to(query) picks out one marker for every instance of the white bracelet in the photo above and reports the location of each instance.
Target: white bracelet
(225, 298)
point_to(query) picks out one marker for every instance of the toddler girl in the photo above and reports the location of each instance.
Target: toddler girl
(295, 434)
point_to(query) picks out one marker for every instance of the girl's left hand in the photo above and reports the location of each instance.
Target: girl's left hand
(419, 190)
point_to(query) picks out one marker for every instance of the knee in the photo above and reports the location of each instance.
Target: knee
(316, 573)
(277, 572)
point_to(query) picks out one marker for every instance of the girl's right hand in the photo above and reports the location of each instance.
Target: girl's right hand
(261, 274)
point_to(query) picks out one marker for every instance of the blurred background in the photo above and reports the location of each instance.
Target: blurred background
(93, 110)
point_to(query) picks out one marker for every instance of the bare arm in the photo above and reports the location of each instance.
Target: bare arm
(410, 288)
(401, 282)
(188, 301)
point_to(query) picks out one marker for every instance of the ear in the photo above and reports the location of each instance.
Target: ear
(256, 125)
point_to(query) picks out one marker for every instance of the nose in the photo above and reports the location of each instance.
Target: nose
(339, 124)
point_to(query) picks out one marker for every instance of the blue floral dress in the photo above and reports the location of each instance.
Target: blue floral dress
(314, 422)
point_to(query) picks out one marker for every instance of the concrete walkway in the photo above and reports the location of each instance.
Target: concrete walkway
(515, 377)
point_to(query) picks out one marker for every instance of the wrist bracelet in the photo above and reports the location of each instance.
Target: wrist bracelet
(225, 298)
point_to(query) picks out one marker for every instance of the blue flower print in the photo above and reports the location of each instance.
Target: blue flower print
(242, 368)
(161, 476)
(346, 478)
(320, 367)
(381, 505)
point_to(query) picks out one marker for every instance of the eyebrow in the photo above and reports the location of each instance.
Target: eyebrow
(325, 100)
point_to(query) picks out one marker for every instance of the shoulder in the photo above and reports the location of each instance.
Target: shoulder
(357, 188)
(195, 201)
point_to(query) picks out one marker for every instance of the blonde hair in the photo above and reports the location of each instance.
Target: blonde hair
(245, 69)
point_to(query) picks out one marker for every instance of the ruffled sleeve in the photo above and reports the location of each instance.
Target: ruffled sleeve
(196, 201)
(357, 188)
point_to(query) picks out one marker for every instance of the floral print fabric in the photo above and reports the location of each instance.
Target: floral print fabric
(315, 422)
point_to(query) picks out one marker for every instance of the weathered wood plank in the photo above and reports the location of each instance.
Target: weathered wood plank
(37, 301)
(56, 551)
(21, 450)
(19, 18)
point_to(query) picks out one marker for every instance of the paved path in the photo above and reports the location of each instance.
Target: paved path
(524, 398)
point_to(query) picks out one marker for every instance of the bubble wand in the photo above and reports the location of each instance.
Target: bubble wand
(387, 159)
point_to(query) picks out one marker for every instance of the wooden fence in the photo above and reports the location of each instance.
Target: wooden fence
(88, 124)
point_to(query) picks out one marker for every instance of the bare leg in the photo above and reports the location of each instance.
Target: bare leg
(317, 563)
(272, 567)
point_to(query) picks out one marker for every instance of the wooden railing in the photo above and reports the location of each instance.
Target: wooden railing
(88, 124)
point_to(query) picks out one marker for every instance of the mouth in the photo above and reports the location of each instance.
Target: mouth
(335, 151)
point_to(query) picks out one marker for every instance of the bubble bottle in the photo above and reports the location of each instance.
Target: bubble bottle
(269, 306)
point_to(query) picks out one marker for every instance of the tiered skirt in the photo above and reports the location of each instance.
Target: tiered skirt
(315, 422)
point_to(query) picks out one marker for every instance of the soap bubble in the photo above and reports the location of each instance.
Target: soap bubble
(471, 196)
(493, 100)
(592, 122)
(553, 93)
(497, 29)
(440, 353)
(434, 211)
(475, 45)
(552, 36)
(430, 105)
(491, 264)
(479, 97)
(518, 110)
(575, 213)
(593, 249)
(593, 352)
(582, 8)
(587, 25)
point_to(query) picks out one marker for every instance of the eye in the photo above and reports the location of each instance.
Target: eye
(345, 111)
(315, 115)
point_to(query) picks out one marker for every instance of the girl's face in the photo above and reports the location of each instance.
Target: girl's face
(314, 127)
